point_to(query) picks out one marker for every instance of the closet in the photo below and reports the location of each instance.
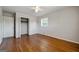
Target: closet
(8, 25)
(24, 26)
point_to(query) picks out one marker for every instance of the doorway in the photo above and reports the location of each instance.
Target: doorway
(24, 26)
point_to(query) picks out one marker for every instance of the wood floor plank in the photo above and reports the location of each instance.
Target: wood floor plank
(38, 43)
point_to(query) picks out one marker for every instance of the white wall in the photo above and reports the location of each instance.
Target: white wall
(63, 24)
(23, 28)
(32, 24)
(1, 20)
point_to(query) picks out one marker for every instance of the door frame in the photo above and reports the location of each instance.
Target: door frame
(14, 25)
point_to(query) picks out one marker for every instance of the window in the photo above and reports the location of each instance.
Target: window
(44, 22)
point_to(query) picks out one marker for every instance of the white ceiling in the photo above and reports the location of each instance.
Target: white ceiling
(29, 10)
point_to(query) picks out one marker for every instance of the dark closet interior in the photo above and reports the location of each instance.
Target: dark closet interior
(26, 26)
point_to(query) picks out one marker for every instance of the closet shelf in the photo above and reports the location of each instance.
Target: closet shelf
(24, 21)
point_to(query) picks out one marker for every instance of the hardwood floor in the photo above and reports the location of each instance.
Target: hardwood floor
(38, 43)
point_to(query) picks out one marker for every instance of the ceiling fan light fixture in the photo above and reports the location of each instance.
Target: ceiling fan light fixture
(36, 9)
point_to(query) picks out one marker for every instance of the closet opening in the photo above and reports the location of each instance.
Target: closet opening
(24, 26)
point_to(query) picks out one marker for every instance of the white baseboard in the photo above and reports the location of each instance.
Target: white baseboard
(62, 38)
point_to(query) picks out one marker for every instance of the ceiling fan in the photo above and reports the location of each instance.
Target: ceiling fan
(37, 9)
